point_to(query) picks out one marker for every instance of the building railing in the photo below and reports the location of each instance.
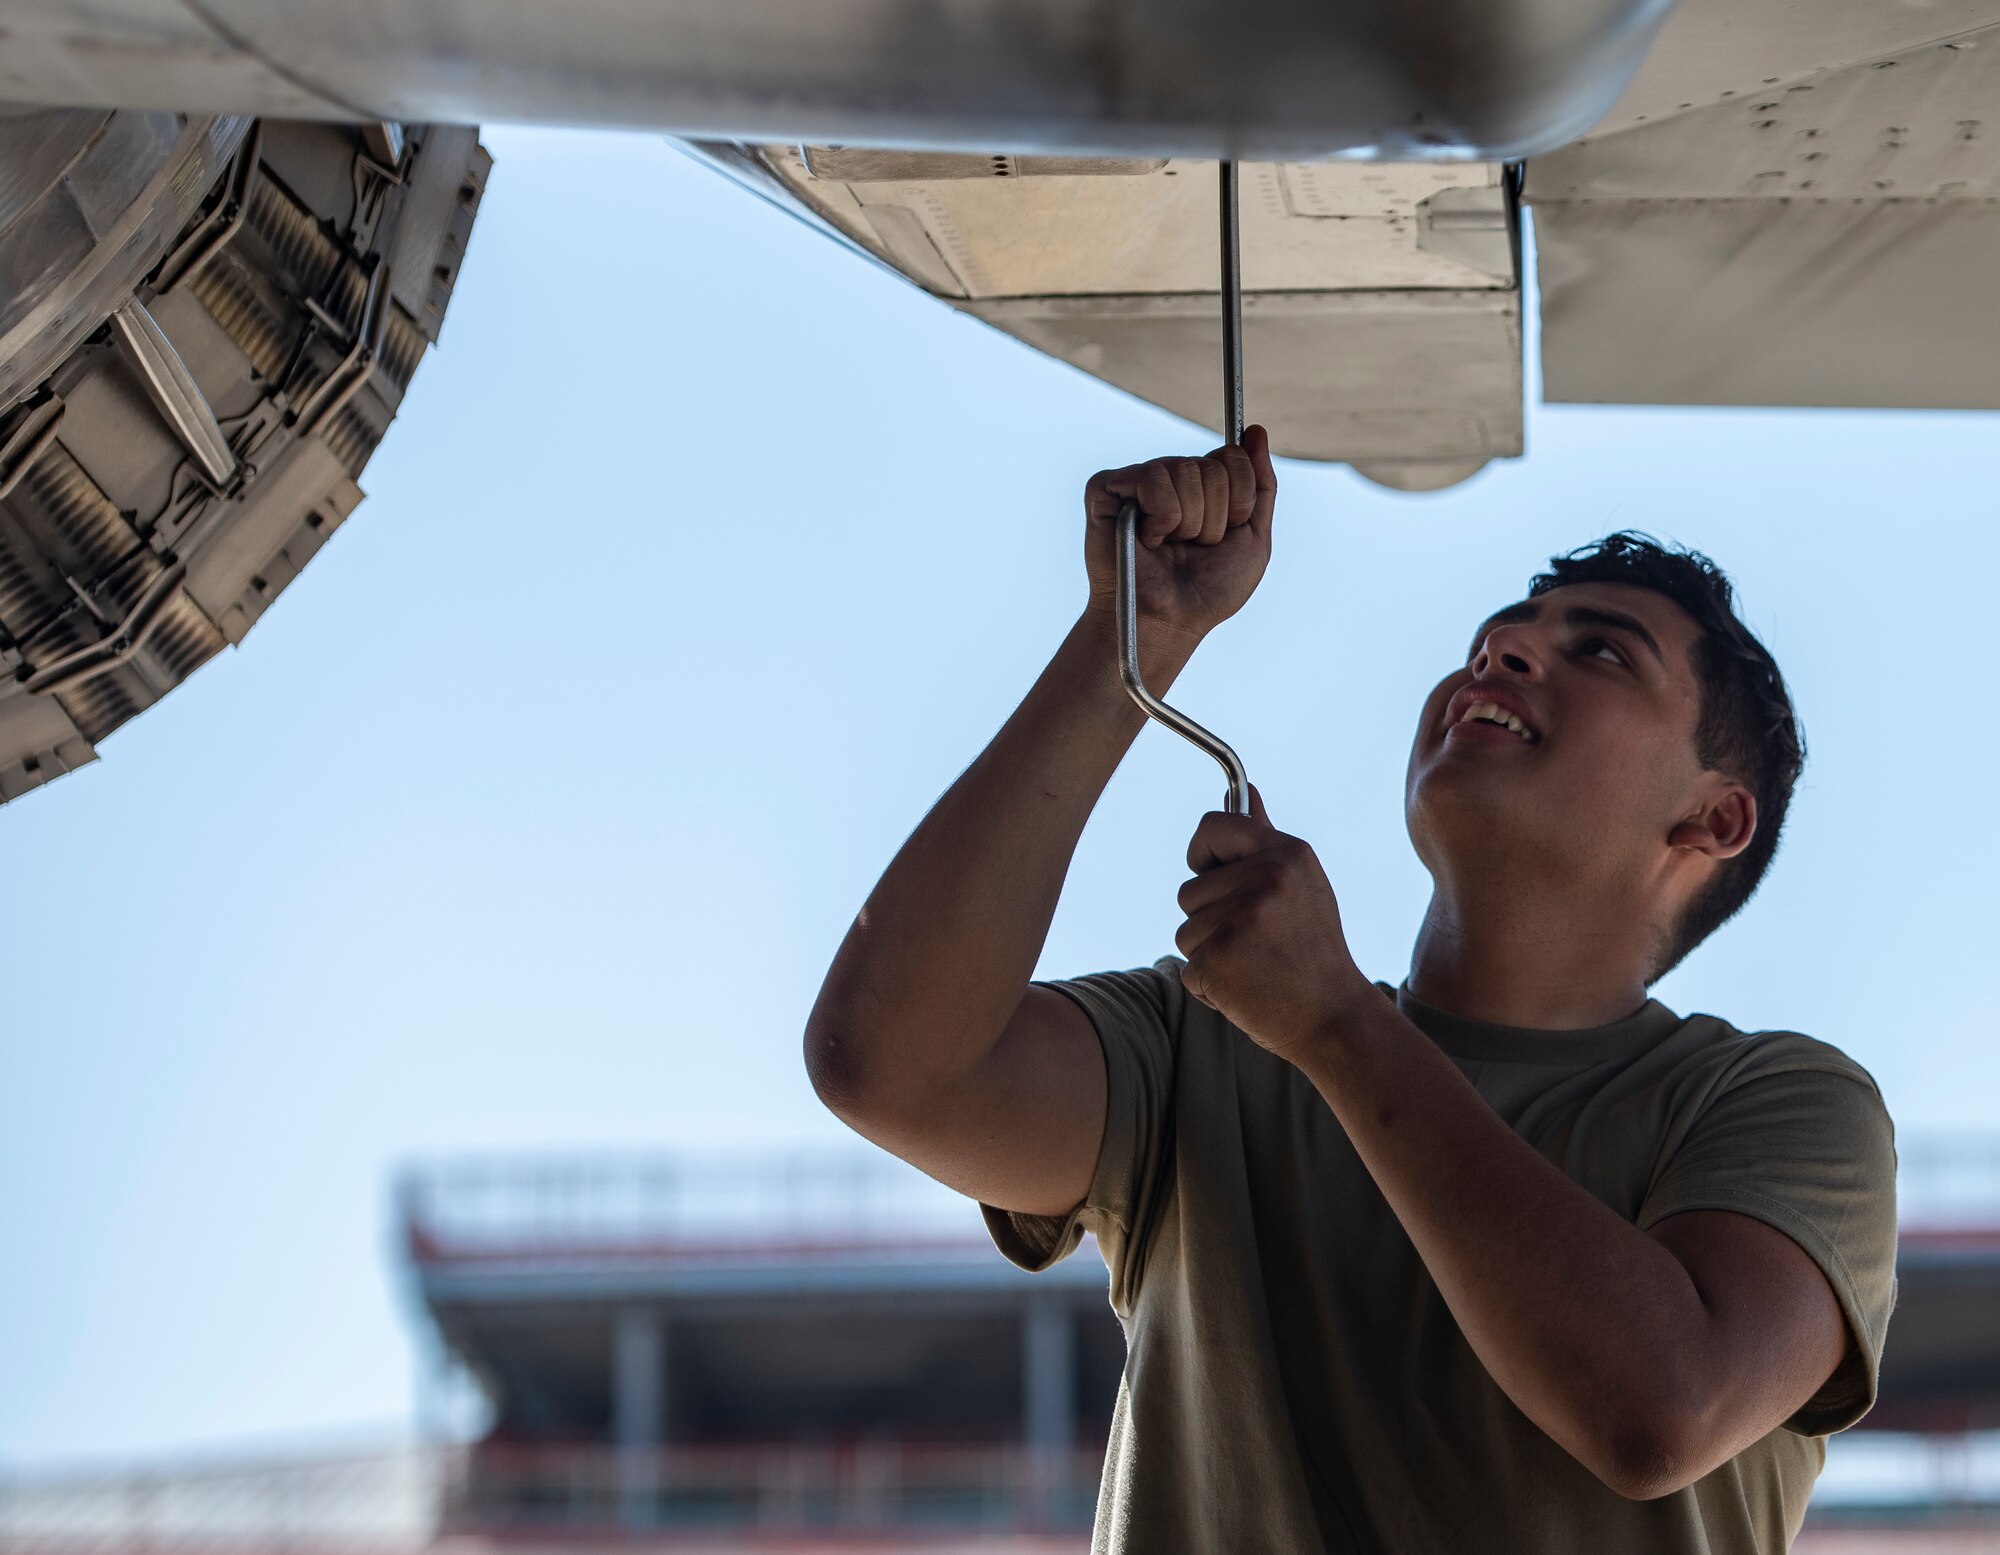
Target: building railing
(499, 1205)
(885, 1486)
(853, 1196)
(804, 1497)
(513, 1204)
(405, 1501)
(364, 1503)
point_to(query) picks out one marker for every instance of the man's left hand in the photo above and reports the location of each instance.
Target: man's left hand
(1263, 940)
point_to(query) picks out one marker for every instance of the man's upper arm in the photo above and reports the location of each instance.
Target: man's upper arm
(1781, 1205)
(1777, 1331)
(1022, 1130)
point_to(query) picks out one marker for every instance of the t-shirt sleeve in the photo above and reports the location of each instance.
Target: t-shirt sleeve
(1800, 1140)
(1136, 1017)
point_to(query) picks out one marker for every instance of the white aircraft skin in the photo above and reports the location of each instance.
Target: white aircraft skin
(1735, 202)
(1278, 80)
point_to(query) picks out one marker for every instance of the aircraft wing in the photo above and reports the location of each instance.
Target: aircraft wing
(1791, 205)
(1381, 310)
(205, 326)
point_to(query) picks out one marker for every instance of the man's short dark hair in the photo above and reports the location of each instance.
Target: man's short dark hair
(1747, 728)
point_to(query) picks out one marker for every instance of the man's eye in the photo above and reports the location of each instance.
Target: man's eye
(1601, 647)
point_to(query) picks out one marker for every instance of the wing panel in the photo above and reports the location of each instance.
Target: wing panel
(1824, 243)
(1756, 302)
(1381, 307)
(1413, 378)
(1919, 123)
(1348, 226)
(1716, 51)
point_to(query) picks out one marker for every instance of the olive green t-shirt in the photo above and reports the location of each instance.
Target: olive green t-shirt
(1293, 1380)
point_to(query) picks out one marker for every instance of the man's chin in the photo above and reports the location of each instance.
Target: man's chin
(1466, 802)
(1471, 776)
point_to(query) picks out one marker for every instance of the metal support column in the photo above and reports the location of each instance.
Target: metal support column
(638, 1412)
(1048, 1402)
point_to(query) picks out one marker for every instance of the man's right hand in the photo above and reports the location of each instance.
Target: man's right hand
(1204, 534)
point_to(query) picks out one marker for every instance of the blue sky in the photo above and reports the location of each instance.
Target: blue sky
(702, 557)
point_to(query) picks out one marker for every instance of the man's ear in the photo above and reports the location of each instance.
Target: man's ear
(1725, 823)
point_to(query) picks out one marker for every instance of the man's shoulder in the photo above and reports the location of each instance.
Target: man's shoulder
(1151, 993)
(1741, 1056)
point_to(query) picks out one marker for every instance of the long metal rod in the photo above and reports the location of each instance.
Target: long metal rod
(1232, 310)
(1237, 800)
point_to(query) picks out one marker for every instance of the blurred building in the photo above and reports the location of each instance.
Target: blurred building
(765, 1350)
(824, 1353)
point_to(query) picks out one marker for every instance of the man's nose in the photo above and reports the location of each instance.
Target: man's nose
(1509, 648)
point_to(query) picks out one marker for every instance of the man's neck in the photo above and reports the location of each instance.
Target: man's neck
(1522, 957)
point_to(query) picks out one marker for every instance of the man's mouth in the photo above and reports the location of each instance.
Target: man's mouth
(1494, 713)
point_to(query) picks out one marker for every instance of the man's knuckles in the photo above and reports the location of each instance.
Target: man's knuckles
(1182, 497)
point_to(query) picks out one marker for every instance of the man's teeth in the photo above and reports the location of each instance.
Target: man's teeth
(1491, 712)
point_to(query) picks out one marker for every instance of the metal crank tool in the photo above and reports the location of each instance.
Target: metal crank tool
(1237, 801)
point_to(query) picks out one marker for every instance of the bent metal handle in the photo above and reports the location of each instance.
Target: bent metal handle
(1237, 802)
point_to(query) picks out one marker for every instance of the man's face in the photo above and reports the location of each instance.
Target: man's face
(1565, 745)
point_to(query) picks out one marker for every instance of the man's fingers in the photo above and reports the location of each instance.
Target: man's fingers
(1200, 927)
(1188, 488)
(1257, 444)
(1105, 492)
(1242, 488)
(1222, 838)
(1223, 881)
(1242, 482)
(1159, 502)
(1214, 501)
(1196, 500)
(1109, 490)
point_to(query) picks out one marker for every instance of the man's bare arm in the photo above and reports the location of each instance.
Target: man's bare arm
(926, 1036)
(1651, 1357)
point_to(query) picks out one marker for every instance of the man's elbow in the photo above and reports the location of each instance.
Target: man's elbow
(837, 1067)
(863, 1072)
(1646, 1456)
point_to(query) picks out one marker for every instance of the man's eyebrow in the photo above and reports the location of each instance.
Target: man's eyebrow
(1615, 620)
(1527, 610)
(1576, 615)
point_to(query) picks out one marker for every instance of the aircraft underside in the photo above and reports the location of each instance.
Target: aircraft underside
(228, 235)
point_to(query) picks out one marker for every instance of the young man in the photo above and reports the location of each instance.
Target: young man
(1511, 1259)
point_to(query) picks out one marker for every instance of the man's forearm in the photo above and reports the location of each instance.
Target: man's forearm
(1592, 1327)
(939, 956)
